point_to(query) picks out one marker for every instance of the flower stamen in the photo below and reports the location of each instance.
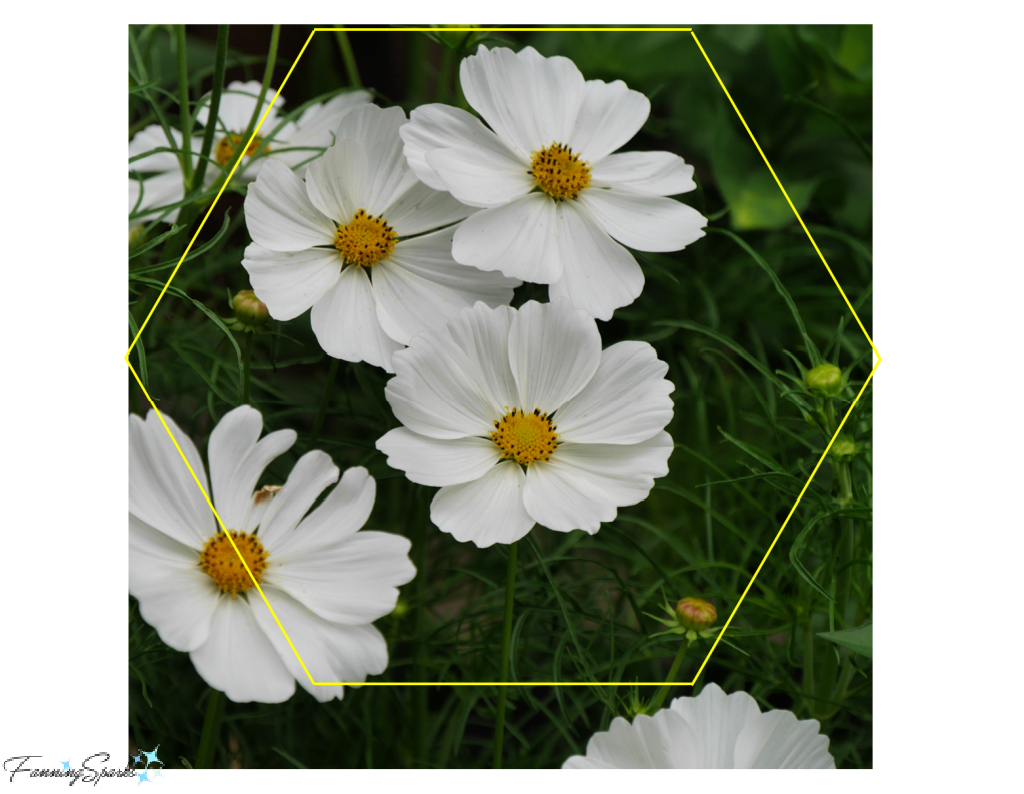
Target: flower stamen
(220, 562)
(524, 437)
(225, 148)
(366, 240)
(558, 172)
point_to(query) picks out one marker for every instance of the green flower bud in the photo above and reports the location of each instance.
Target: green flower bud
(696, 614)
(844, 448)
(456, 39)
(827, 378)
(249, 310)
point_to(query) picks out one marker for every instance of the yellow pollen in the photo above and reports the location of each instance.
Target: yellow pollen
(221, 563)
(366, 240)
(225, 148)
(525, 438)
(558, 172)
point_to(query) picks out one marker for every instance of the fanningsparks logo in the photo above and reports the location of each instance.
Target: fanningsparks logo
(92, 769)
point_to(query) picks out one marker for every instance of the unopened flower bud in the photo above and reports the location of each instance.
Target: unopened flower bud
(456, 39)
(844, 448)
(825, 377)
(249, 310)
(696, 614)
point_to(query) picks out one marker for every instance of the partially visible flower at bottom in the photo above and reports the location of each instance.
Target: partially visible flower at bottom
(710, 731)
(326, 580)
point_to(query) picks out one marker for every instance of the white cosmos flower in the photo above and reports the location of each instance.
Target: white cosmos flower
(326, 580)
(296, 143)
(710, 731)
(522, 418)
(556, 198)
(356, 242)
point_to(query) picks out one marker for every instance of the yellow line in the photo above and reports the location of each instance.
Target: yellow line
(502, 683)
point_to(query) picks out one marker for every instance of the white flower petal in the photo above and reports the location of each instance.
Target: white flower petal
(422, 209)
(237, 103)
(649, 173)
(553, 351)
(439, 391)
(583, 485)
(599, 275)
(237, 459)
(477, 178)
(239, 659)
(346, 325)
(279, 215)
(317, 127)
(776, 740)
(331, 652)
(646, 223)
(529, 100)
(161, 190)
(627, 400)
(161, 490)
(422, 287)
(336, 182)
(719, 719)
(442, 127)
(663, 741)
(435, 461)
(520, 239)
(486, 511)
(289, 282)
(342, 513)
(609, 116)
(175, 596)
(353, 581)
(388, 175)
(312, 473)
(147, 140)
(482, 334)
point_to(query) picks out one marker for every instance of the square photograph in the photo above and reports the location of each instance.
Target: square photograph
(500, 397)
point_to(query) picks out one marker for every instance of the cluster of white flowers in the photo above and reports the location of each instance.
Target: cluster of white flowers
(407, 237)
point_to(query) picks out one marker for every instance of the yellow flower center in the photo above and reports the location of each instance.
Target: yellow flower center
(366, 240)
(560, 173)
(525, 438)
(220, 562)
(225, 148)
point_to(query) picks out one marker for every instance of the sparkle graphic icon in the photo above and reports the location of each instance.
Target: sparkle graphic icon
(67, 764)
(151, 756)
(157, 772)
(137, 758)
(144, 775)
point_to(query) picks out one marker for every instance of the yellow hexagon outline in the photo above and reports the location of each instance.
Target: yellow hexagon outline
(878, 360)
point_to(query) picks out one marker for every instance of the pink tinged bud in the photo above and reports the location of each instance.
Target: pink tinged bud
(249, 309)
(696, 614)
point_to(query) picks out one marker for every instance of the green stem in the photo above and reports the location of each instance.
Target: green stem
(325, 401)
(143, 78)
(663, 692)
(351, 69)
(211, 729)
(219, 66)
(183, 110)
(421, 517)
(506, 637)
(843, 555)
(247, 356)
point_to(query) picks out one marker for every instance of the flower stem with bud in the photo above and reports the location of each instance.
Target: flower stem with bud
(663, 692)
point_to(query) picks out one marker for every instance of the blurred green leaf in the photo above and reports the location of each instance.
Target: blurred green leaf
(858, 639)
